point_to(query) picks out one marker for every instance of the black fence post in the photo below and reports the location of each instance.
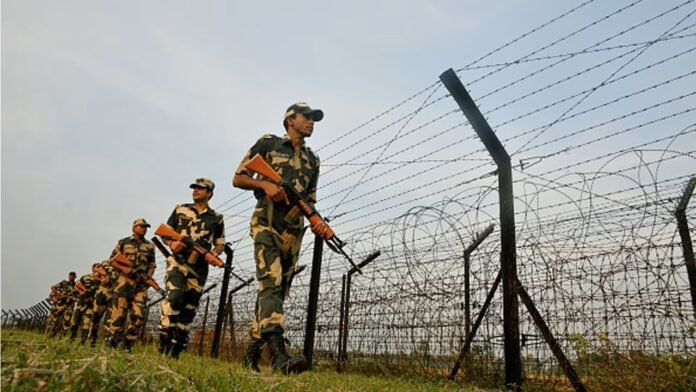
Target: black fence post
(467, 267)
(205, 324)
(214, 349)
(343, 344)
(687, 248)
(341, 322)
(313, 300)
(508, 255)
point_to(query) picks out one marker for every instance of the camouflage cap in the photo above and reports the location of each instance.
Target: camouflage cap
(204, 183)
(141, 222)
(303, 107)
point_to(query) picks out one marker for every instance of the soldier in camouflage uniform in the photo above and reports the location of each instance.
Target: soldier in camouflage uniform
(62, 292)
(102, 299)
(82, 317)
(187, 271)
(277, 228)
(130, 291)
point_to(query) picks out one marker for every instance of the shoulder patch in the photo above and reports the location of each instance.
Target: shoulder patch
(268, 136)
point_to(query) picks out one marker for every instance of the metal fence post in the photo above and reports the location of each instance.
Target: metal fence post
(508, 255)
(214, 349)
(687, 248)
(343, 344)
(313, 300)
(205, 322)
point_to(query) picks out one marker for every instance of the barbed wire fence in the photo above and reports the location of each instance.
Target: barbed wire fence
(598, 118)
(599, 121)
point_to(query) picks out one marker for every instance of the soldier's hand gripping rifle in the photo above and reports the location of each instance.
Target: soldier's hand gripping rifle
(102, 275)
(260, 166)
(121, 263)
(167, 231)
(81, 289)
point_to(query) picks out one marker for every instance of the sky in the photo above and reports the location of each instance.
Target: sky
(111, 109)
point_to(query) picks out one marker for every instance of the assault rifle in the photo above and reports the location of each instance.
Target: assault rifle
(121, 263)
(168, 255)
(260, 166)
(80, 288)
(167, 231)
(102, 277)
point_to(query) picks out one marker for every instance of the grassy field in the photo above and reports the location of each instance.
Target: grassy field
(33, 362)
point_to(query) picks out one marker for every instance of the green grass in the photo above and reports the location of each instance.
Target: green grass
(34, 362)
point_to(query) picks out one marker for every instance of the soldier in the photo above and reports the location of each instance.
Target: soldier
(188, 270)
(130, 291)
(102, 299)
(82, 317)
(62, 306)
(277, 228)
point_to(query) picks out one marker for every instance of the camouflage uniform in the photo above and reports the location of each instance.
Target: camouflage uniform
(82, 317)
(277, 228)
(130, 293)
(62, 308)
(102, 301)
(187, 273)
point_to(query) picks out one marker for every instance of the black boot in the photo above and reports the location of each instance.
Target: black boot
(94, 333)
(179, 340)
(280, 358)
(164, 344)
(253, 354)
(112, 342)
(83, 336)
(73, 335)
(127, 344)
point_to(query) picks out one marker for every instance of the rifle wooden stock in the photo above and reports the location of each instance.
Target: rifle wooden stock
(121, 263)
(102, 276)
(260, 166)
(167, 254)
(167, 231)
(81, 288)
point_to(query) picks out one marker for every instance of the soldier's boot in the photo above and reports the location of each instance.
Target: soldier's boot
(164, 343)
(73, 335)
(112, 342)
(179, 340)
(280, 359)
(83, 336)
(127, 344)
(94, 333)
(252, 355)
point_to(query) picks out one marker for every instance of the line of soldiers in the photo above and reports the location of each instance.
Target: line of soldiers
(277, 227)
(107, 292)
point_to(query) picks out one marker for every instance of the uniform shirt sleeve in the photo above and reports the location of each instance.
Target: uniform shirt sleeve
(219, 234)
(258, 148)
(312, 187)
(117, 249)
(151, 257)
(172, 221)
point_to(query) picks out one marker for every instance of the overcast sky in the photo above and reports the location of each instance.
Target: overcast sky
(110, 109)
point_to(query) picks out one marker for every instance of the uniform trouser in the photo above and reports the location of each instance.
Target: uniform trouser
(274, 269)
(52, 317)
(67, 317)
(102, 300)
(82, 317)
(127, 309)
(184, 284)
